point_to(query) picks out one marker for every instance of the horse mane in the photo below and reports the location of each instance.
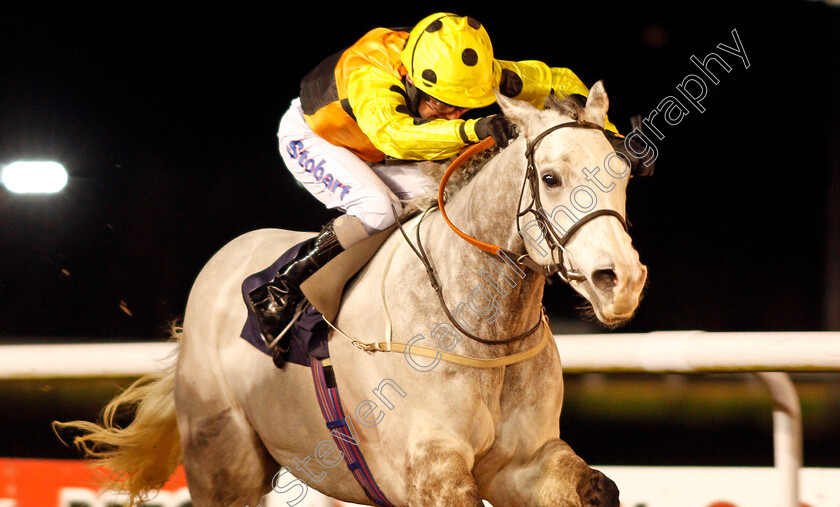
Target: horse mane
(569, 106)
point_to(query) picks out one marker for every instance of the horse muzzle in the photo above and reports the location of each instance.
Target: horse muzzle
(617, 290)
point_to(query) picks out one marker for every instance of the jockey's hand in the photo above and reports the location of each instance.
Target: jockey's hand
(497, 126)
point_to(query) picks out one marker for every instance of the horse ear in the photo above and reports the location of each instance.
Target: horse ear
(517, 111)
(597, 104)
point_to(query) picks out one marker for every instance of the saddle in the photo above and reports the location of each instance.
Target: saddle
(324, 290)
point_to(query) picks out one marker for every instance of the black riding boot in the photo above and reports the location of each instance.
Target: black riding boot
(276, 302)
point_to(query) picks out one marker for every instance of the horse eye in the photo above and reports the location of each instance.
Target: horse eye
(551, 179)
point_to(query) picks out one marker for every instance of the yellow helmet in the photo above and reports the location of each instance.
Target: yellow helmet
(450, 58)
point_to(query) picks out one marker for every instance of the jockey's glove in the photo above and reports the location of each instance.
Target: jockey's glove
(498, 127)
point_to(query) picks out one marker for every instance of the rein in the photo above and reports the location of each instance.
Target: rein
(465, 155)
(416, 350)
(430, 270)
(555, 242)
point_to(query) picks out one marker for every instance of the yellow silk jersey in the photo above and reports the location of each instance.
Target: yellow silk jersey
(358, 99)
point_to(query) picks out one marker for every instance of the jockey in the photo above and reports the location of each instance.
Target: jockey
(366, 112)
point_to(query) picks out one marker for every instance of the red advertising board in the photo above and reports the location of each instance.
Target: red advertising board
(49, 483)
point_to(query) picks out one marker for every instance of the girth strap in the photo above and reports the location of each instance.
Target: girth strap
(342, 431)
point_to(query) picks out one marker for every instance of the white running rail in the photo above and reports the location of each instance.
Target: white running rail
(768, 354)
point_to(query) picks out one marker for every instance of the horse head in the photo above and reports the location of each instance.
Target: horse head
(572, 211)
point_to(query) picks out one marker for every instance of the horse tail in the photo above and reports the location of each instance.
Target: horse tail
(143, 455)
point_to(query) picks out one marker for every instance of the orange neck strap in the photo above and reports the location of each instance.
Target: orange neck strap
(458, 162)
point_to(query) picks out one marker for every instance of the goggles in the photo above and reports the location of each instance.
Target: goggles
(441, 107)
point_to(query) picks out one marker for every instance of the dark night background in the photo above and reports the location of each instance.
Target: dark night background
(165, 116)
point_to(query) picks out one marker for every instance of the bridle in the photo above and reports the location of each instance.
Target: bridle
(555, 241)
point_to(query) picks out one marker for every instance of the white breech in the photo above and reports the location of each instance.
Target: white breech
(340, 179)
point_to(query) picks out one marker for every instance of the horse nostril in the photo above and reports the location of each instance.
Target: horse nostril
(604, 279)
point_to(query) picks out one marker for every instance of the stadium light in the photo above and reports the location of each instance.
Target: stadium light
(34, 177)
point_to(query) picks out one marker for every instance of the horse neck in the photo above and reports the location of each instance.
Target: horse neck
(485, 208)
(487, 205)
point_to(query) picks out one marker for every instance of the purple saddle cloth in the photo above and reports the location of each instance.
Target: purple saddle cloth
(309, 333)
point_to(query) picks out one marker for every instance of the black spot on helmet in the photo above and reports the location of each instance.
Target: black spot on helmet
(469, 57)
(430, 76)
(434, 26)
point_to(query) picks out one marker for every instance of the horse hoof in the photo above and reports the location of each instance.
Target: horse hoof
(597, 490)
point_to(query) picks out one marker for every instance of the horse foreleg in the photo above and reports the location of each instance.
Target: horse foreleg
(554, 476)
(439, 474)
